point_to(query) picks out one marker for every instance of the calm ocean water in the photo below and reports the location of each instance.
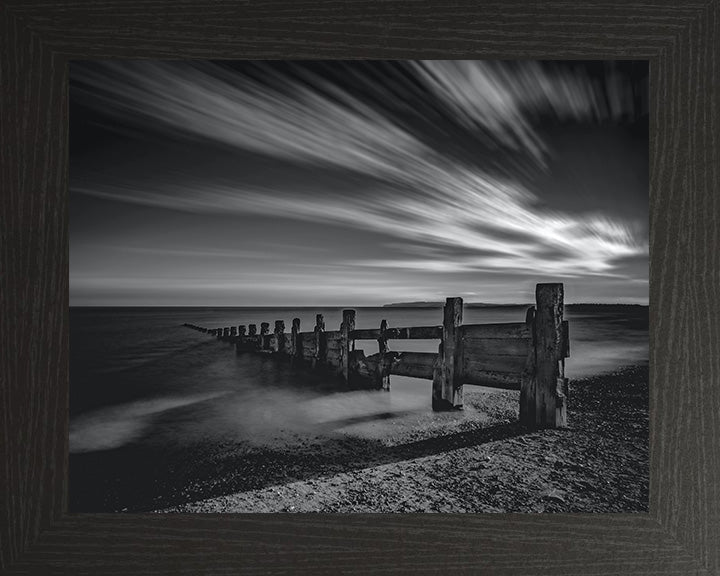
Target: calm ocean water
(140, 381)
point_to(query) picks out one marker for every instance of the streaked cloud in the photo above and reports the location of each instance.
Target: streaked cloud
(506, 98)
(438, 213)
(329, 127)
(470, 212)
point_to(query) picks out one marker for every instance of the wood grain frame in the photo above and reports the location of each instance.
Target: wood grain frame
(681, 533)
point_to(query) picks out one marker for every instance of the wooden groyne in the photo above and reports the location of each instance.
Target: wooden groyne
(528, 356)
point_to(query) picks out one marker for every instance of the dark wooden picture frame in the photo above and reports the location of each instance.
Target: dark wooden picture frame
(680, 534)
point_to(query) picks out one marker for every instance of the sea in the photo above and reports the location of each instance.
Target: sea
(144, 389)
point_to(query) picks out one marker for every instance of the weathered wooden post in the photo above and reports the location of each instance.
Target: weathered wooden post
(226, 333)
(240, 344)
(447, 377)
(279, 332)
(264, 331)
(233, 331)
(382, 378)
(542, 396)
(296, 344)
(320, 349)
(252, 336)
(348, 325)
(218, 333)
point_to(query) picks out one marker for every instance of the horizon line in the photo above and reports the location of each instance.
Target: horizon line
(430, 304)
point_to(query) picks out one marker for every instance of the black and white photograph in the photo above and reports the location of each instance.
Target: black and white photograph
(359, 286)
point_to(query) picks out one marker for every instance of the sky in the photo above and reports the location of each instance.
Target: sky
(332, 183)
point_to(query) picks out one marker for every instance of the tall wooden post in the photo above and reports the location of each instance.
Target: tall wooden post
(319, 340)
(296, 345)
(252, 337)
(233, 331)
(542, 397)
(347, 326)
(264, 331)
(279, 336)
(447, 377)
(383, 377)
(240, 344)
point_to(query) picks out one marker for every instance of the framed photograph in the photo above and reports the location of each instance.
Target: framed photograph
(271, 290)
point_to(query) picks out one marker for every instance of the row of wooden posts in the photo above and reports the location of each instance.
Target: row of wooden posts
(528, 356)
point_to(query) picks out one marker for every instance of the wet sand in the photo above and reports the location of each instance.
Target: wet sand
(478, 460)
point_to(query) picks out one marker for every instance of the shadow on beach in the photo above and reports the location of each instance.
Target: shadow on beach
(481, 455)
(137, 479)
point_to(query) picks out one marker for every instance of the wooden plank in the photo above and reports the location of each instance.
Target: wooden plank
(269, 342)
(508, 364)
(364, 366)
(365, 334)
(332, 335)
(308, 343)
(415, 364)
(476, 347)
(409, 333)
(333, 343)
(504, 380)
(506, 330)
(332, 358)
(365, 369)
(415, 333)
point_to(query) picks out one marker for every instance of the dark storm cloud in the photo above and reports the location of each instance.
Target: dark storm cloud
(416, 205)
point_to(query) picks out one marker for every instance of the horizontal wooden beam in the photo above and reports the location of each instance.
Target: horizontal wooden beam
(409, 333)
(504, 380)
(365, 334)
(507, 330)
(483, 347)
(478, 363)
(415, 364)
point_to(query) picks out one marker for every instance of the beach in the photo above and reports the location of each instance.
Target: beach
(164, 418)
(477, 460)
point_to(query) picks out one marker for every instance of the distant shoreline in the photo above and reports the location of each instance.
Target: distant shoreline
(400, 305)
(488, 305)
